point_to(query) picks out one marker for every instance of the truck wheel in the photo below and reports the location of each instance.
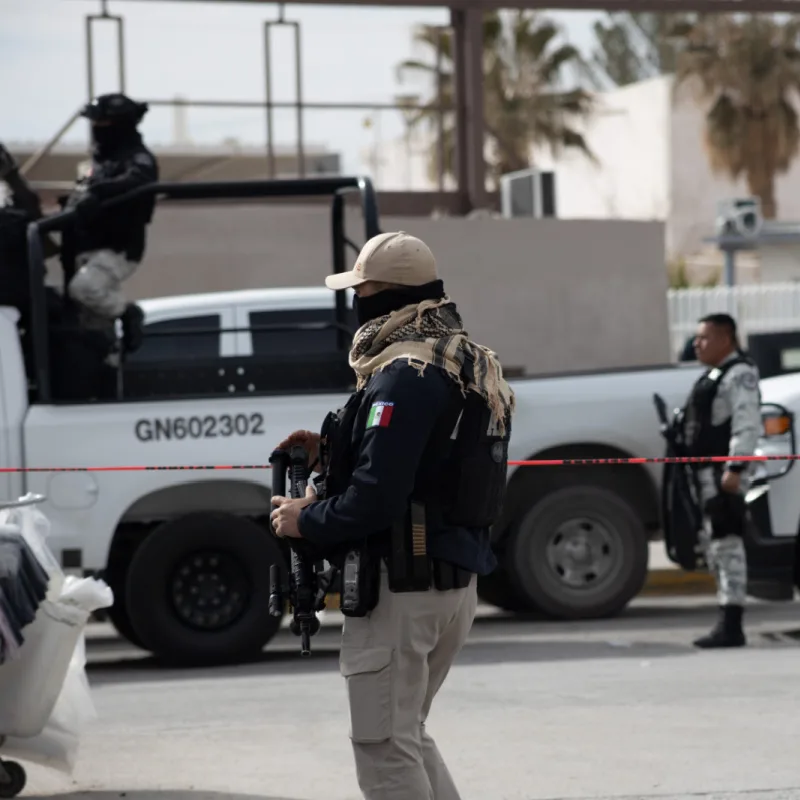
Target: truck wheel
(198, 590)
(579, 553)
(496, 590)
(118, 615)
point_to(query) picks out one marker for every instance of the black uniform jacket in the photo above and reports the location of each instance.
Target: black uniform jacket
(400, 411)
(120, 228)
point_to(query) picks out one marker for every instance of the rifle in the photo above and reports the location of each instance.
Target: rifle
(308, 581)
(679, 506)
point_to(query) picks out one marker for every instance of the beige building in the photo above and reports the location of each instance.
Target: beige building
(652, 165)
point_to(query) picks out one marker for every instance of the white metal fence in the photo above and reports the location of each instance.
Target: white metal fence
(756, 308)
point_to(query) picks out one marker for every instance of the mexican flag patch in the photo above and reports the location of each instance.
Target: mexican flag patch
(380, 414)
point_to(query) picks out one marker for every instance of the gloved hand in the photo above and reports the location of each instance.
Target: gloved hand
(308, 439)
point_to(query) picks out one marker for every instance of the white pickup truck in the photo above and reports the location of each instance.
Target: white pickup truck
(188, 552)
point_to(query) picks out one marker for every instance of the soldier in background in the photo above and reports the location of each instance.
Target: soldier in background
(109, 243)
(723, 418)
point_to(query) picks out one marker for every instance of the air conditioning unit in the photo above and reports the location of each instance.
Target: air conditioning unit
(740, 217)
(528, 193)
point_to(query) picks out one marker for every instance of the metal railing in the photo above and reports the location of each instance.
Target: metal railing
(334, 187)
(268, 104)
(758, 308)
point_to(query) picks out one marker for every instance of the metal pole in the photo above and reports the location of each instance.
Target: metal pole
(268, 100)
(89, 57)
(298, 103)
(440, 155)
(120, 22)
(121, 52)
(730, 266)
(301, 156)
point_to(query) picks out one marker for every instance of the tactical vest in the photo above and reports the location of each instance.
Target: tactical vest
(700, 437)
(467, 490)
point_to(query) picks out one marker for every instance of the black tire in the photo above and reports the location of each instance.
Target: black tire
(117, 614)
(578, 553)
(198, 590)
(496, 590)
(17, 778)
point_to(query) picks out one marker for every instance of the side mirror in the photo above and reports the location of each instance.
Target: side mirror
(777, 439)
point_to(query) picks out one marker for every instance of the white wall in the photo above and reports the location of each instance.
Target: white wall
(627, 137)
(653, 166)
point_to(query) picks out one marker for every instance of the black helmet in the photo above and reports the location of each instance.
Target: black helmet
(114, 108)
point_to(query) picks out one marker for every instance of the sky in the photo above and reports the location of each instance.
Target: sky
(207, 51)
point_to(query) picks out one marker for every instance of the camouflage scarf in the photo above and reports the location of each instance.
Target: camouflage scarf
(432, 332)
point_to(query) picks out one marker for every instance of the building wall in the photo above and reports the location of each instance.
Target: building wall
(630, 179)
(547, 295)
(652, 166)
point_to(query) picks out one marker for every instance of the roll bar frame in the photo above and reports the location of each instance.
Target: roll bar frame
(336, 187)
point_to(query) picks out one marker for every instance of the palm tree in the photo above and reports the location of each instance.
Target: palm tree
(632, 46)
(747, 69)
(524, 103)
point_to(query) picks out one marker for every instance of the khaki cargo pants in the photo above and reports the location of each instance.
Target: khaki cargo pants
(394, 661)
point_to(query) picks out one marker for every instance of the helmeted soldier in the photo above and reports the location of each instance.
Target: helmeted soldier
(109, 243)
(723, 418)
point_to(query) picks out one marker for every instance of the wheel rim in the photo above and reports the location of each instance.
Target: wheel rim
(581, 553)
(209, 590)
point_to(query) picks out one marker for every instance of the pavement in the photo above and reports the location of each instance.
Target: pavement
(533, 710)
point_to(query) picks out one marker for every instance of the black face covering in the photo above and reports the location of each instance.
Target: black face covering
(108, 138)
(382, 303)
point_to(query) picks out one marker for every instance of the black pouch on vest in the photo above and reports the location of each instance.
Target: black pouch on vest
(476, 478)
(408, 563)
(447, 576)
(361, 575)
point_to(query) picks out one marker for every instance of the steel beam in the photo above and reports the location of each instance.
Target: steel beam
(468, 68)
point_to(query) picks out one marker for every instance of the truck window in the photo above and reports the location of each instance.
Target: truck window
(300, 342)
(193, 344)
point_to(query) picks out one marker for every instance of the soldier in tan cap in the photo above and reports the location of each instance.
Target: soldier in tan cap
(414, 473)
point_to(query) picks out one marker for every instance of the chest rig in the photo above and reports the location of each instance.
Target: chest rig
(460, 482)
(700, 436)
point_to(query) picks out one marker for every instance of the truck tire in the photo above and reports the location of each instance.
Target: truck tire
(580, 552)
(117, 614)
(198, 590)
(496, 590)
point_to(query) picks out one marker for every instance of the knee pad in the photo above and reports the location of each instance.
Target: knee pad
(726, 513)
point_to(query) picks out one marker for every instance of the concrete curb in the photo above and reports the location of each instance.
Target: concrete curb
(671, 582)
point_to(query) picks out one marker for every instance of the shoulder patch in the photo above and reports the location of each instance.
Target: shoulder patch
(380, 414)
(143, 159)
(747, 380)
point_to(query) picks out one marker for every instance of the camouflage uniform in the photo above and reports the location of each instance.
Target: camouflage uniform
(738, 400)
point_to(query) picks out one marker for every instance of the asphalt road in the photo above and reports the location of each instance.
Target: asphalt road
(623, 708)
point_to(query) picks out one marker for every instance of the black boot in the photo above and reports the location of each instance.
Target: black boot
(728, 630)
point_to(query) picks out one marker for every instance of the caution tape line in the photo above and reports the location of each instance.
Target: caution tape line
(539, 462)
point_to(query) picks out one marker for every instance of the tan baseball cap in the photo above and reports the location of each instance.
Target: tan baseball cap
(394, 257)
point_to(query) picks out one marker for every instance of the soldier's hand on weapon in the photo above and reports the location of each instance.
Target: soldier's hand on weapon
(731, 481)
(308, 439)
(286, 513)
